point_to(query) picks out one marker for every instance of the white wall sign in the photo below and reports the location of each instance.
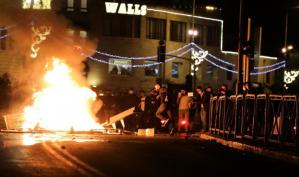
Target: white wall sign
(123, 8)
(37, 4)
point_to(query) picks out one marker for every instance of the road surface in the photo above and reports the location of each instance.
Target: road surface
(62, 155)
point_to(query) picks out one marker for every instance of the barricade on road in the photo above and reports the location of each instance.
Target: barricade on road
(14, 121)
(263, 117)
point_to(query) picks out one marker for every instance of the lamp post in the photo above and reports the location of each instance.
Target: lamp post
(192, 33)
(287, 47)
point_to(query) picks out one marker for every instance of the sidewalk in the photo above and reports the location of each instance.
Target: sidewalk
(277, 154)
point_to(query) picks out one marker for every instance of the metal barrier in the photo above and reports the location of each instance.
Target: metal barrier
(14, 121)
(266, 118)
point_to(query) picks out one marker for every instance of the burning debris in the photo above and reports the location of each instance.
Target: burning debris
(62, 104)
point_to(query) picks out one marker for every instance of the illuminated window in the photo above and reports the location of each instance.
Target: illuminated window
(175, 71)
(70, 5)
(71, 32)
(83, 34)
(120, 67)
(3, 38)
(37, 4)
(83, 5)
(151, 70)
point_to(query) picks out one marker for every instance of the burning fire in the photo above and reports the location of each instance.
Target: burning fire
(63, 104)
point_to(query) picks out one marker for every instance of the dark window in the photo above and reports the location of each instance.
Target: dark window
(210, 73)
(268, 78)
(199, 38)
(121, 26)
(151, 70)
(175, 69)
(155, 28)
(178, 31)
(229, 75)
(213, 36)
(3, 38)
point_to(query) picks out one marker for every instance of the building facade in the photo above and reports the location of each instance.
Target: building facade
(123, 30)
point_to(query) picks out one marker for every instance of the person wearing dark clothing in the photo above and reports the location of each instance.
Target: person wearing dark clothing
(130, 100)
(5, 92)
(205, 107)
(154, 103)
(197, 107)
(140, 110)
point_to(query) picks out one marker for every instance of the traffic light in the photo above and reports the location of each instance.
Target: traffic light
(248, 48)
(161, 51)
(189, 82)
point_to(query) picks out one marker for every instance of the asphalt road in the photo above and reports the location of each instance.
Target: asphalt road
(62, 155)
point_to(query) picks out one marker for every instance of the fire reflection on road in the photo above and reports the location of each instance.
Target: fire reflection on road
(29, 139)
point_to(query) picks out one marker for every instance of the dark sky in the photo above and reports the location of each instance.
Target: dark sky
(269, 14)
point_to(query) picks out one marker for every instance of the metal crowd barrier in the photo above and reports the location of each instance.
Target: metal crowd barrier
(266, 118)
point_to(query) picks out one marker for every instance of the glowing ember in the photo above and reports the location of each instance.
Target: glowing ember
(63, 104)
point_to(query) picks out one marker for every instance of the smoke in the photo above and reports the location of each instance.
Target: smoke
(29, 77)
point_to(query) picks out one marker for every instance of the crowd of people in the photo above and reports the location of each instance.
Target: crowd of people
(163, 109)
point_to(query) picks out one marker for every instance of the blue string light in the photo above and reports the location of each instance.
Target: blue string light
(140, 58)
(134, 65)
(269, 66)
(253, 73)
(221, 67)
(268, 71)
(2, 37)
(172, 58)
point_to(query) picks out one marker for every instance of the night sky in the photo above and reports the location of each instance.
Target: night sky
(270, 15)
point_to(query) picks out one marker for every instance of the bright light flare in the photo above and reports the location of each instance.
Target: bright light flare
(192, 32)
(63, 104)
(183, 122)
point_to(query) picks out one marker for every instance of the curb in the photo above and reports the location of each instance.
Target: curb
(253, 149)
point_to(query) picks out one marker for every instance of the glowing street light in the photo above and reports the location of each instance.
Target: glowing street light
(193, 32)
(211, 8)
(287, 48)
(290, 47)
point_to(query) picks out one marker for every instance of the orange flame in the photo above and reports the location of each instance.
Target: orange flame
(63, 104)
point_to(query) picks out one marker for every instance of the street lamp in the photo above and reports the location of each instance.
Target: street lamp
(192, 33)
(285, 50)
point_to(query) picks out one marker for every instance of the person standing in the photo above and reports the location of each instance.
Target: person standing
(140, 110)
(184, 102)
(154, 103)
(205, 107)
(197, 107)
(164, 107)
(130, 100)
